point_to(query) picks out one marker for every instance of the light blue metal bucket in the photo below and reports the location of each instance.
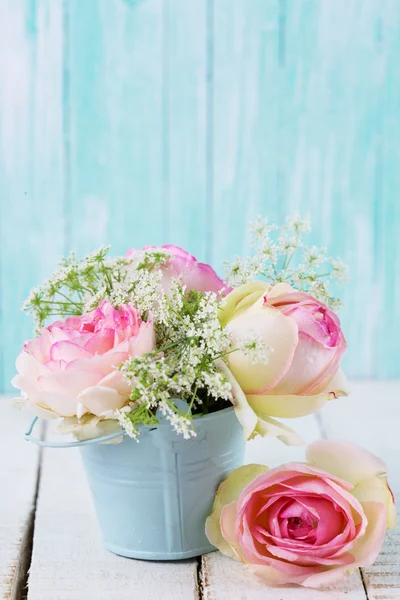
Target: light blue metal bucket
(152, 498)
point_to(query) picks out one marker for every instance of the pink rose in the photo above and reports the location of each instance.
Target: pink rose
(320, 346)
(309, 524)
(70, 369)
(303, 343)
(184, 267)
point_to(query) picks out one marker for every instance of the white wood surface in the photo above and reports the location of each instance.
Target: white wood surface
(69, 562)
(18, 476)
(370, 416)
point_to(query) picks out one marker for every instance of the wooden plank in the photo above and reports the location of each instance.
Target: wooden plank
(19, 463)
(64, 504)
(370, 417)
(245, 108)
(223, 578)
(185, 133)
(31, 161)
(69, 561)
(383, 578)
(115, 61)
(387, 211)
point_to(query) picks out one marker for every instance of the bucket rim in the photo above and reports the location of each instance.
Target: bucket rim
(214, 415)
(218, 414)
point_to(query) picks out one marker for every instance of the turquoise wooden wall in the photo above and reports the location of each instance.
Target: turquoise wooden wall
(154, 121)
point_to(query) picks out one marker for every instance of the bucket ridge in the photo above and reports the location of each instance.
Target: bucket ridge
(152, 498)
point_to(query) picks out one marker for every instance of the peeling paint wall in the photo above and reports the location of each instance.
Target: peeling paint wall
(154, 121)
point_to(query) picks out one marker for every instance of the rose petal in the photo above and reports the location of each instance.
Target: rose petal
(309, 560)
(330, 520)
(61, 404)
(365, 553)
(98, 399)
(341, 545)
(29, 367)
(228, 542)
(89, 427)
(23, 384)
(245, 414)
(251, 423)
(40, 411)
(267, 427)
(101, 363)
(100, 342)
(312, 363)
(69, 383)
(278, 332)
(283, 475)
(145, 340)
(345, 460)
(241, 298)
(250, 553)
(287, 406)
(68, 351)
(336, 384)
(117, 381)
(272, 576)
(203, 278)
(376, 489)
(279, 289)
(227, 493)
(365, 550)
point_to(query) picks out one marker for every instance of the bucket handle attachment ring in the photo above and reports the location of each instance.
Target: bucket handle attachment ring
(31, 438)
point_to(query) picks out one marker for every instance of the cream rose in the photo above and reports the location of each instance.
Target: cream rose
(304, 345)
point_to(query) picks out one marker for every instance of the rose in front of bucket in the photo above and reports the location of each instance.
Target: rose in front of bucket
(70, 369)
(305, 523)
(302, 345)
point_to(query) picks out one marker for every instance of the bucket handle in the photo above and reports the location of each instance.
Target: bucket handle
(106, 438)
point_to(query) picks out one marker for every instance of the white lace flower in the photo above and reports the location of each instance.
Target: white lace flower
(283, 257)
(253, 346)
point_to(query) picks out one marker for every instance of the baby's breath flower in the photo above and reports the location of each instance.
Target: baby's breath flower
(298, 225)
(283, 257)
(180, 423)
(313, 257)
(127, 424)
(253, 346)
(320, 290)
(260, 228)
(217, 385)
(340, 270)
(79, 285)
(243, 270)
(92, 301)
(189, 340)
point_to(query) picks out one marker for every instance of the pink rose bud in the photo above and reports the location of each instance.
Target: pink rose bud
(188, 271)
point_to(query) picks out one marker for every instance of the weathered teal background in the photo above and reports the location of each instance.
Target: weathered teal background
(153, 121)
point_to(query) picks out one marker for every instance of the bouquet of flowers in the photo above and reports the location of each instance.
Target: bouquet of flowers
(121, 342)
(142, 330)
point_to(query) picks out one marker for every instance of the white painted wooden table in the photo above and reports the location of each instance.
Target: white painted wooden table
(48, 526)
